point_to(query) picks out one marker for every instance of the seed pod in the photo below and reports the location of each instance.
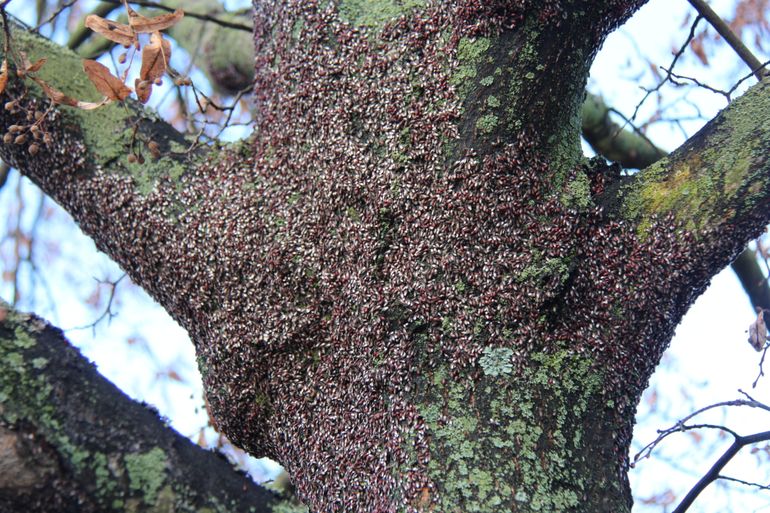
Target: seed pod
(10, 105)
(20, 139)
(8, 138)
(33, 149)
(131, 158)
(154, 149)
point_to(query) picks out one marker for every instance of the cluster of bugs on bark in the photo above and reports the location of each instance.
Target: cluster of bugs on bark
(356, 251)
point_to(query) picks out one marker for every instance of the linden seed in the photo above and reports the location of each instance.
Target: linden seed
(33, 149)
(10, 105)
(20, 139)
(8, 138)
(154, 149)
(131, 158)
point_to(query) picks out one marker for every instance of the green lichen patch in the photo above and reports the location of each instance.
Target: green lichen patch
(716, 177)
(577, 193)
(554, 269)
(470, 53)
(493, 102)
(375, 13)
(487, 123)
(505, 447)
(147, 473)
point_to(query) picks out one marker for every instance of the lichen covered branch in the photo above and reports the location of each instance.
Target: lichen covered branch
(118, 170)
(718, 181)
(612, 141)
(71, 441)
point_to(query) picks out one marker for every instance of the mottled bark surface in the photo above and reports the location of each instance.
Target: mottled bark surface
(72, 442)
(410, 288)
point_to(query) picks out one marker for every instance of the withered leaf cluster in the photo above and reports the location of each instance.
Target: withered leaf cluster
(155, 54)
(155, 58)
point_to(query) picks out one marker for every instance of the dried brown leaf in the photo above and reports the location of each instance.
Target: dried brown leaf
(155, 57)
(3, 75)
(106, 83)
(25, 64)
(143, 89)
(147, 25)
(112, 30)
(32, 68)
(54, 94)
(697, 47)
(758, 332)
(92, 105)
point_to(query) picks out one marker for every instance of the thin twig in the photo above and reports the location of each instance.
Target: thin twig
(204, 17)
(65, 5)
(107, 309)
(677, 55)
(761, 366)
(732, 39)
(713, 473)
(727, 94)
(741, 481)
(681, 425)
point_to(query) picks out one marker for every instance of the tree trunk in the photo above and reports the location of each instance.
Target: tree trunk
(410, 288)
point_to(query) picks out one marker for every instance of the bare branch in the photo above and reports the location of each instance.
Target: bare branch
(733, 40)
(681, 425)
(713, 473)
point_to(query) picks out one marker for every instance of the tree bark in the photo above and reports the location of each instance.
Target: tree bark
(632, 150)
(70, 441)
(410, 288)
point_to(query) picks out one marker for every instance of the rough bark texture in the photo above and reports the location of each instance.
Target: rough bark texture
(632, 150)
(404, 288)
(72, 442)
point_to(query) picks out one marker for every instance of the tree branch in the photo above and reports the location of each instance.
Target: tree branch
(753, 280)
(131, 209)
(613, 142)
(633, 150)
(713, 473)
(70, 440)
(719, 180)
(733, 40)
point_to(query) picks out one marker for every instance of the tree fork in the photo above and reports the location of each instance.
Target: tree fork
(402, 268)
